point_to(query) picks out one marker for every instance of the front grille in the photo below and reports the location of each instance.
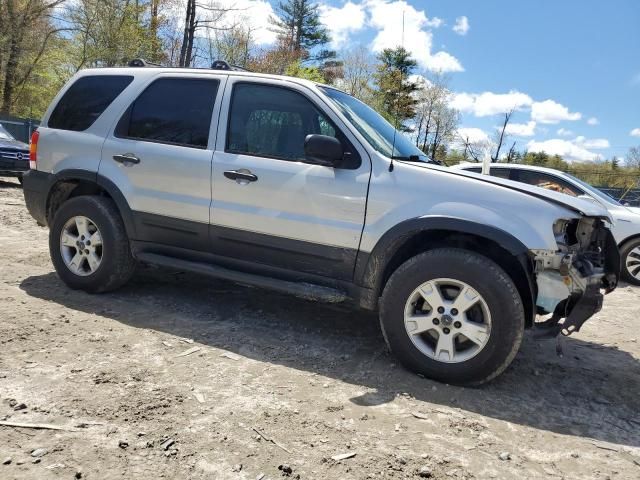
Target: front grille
(14, 154)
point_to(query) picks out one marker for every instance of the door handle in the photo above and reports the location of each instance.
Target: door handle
(126, 158)
(242, 176)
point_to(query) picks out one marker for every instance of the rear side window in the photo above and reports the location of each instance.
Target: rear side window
(176, 111)
(85, 100)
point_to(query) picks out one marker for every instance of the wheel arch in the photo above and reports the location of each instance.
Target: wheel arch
(630, 238)
(418, 235)
(67, 184)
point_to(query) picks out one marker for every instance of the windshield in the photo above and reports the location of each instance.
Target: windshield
(4, 135)
(605, 197)
(371, 125)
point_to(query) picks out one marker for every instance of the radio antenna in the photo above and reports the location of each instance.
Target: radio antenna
(395, 120)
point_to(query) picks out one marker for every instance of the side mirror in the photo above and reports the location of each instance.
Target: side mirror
(323, 150)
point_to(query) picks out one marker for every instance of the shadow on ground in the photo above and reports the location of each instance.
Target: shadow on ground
(9, 182)
(593, 391)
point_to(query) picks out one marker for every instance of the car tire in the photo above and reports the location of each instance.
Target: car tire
(630, 261)
(494, 319)
(99, 267)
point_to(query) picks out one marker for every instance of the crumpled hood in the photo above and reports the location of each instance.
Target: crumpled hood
(584, 207)
(13, 144)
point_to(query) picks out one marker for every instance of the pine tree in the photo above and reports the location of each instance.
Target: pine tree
(396, 100)
(298, 25)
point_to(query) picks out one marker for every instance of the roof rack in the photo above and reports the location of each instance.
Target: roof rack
(141, 62)
(216, 65)
(222, 65)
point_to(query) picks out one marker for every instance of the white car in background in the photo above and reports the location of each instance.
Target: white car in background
(626, 226)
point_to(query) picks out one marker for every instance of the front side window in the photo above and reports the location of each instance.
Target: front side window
(549, 182)
(270, 121)
(85, 100)
(176, 111)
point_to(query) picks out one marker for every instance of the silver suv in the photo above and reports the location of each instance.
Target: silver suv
(298, 187)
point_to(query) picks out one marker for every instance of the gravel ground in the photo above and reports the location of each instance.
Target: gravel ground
(176, 376)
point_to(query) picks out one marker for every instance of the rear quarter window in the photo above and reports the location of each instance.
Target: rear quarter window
(86, 100)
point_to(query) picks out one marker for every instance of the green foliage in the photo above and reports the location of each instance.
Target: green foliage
(296, 69)
(298, 25)
(395, 101)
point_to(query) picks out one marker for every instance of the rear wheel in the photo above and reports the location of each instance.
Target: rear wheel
(89, 245)
(630, 255)
(452, 315)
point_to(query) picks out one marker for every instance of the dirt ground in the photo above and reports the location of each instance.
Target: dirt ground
(176, 376)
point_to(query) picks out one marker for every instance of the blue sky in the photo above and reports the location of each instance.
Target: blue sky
(571, 67)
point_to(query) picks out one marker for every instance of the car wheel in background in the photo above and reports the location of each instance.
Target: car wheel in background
(630, 259)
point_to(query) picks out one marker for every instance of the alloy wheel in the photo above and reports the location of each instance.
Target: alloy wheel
(81, 245)
(447, 320)
(632, 263)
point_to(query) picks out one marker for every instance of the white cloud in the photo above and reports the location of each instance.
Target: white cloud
(473, 135)
(593, 121)
(550, 111)
(386, 17)
(489, 103)
(568, 150)
(635, 132)
(521, 129)
(252, 14)
(461, 26)
(434, 22)
(594, 143)
(342, 21)
(563, 132)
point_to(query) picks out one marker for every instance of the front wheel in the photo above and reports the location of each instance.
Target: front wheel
(630, 259)
(452, 315)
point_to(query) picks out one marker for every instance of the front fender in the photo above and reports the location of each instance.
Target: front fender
(371, 267)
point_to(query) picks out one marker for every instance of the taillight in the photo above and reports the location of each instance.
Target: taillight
(33, 150)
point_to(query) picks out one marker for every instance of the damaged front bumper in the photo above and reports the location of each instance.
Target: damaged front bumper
(571, 280)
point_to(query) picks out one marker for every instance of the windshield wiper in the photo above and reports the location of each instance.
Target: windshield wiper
(416, 158)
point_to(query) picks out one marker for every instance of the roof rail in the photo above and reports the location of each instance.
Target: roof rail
(222, 65)
(141, 62)
(216, 65)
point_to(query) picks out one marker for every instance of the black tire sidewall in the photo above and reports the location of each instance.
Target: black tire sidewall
(100, 211)
(624, 252)
(491, 282)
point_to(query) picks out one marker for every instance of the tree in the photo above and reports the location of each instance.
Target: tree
(298, 25)
(632, 160)
(212, 20)
(357, 70)
(500, 138)
(396, 93)
(233, 45)
(435, 122)
(296, 69)
(26, 29)
(473, 149)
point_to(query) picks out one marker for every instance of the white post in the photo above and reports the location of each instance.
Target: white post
(486, 164)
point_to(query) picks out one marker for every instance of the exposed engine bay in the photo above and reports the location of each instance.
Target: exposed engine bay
(570, 280)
